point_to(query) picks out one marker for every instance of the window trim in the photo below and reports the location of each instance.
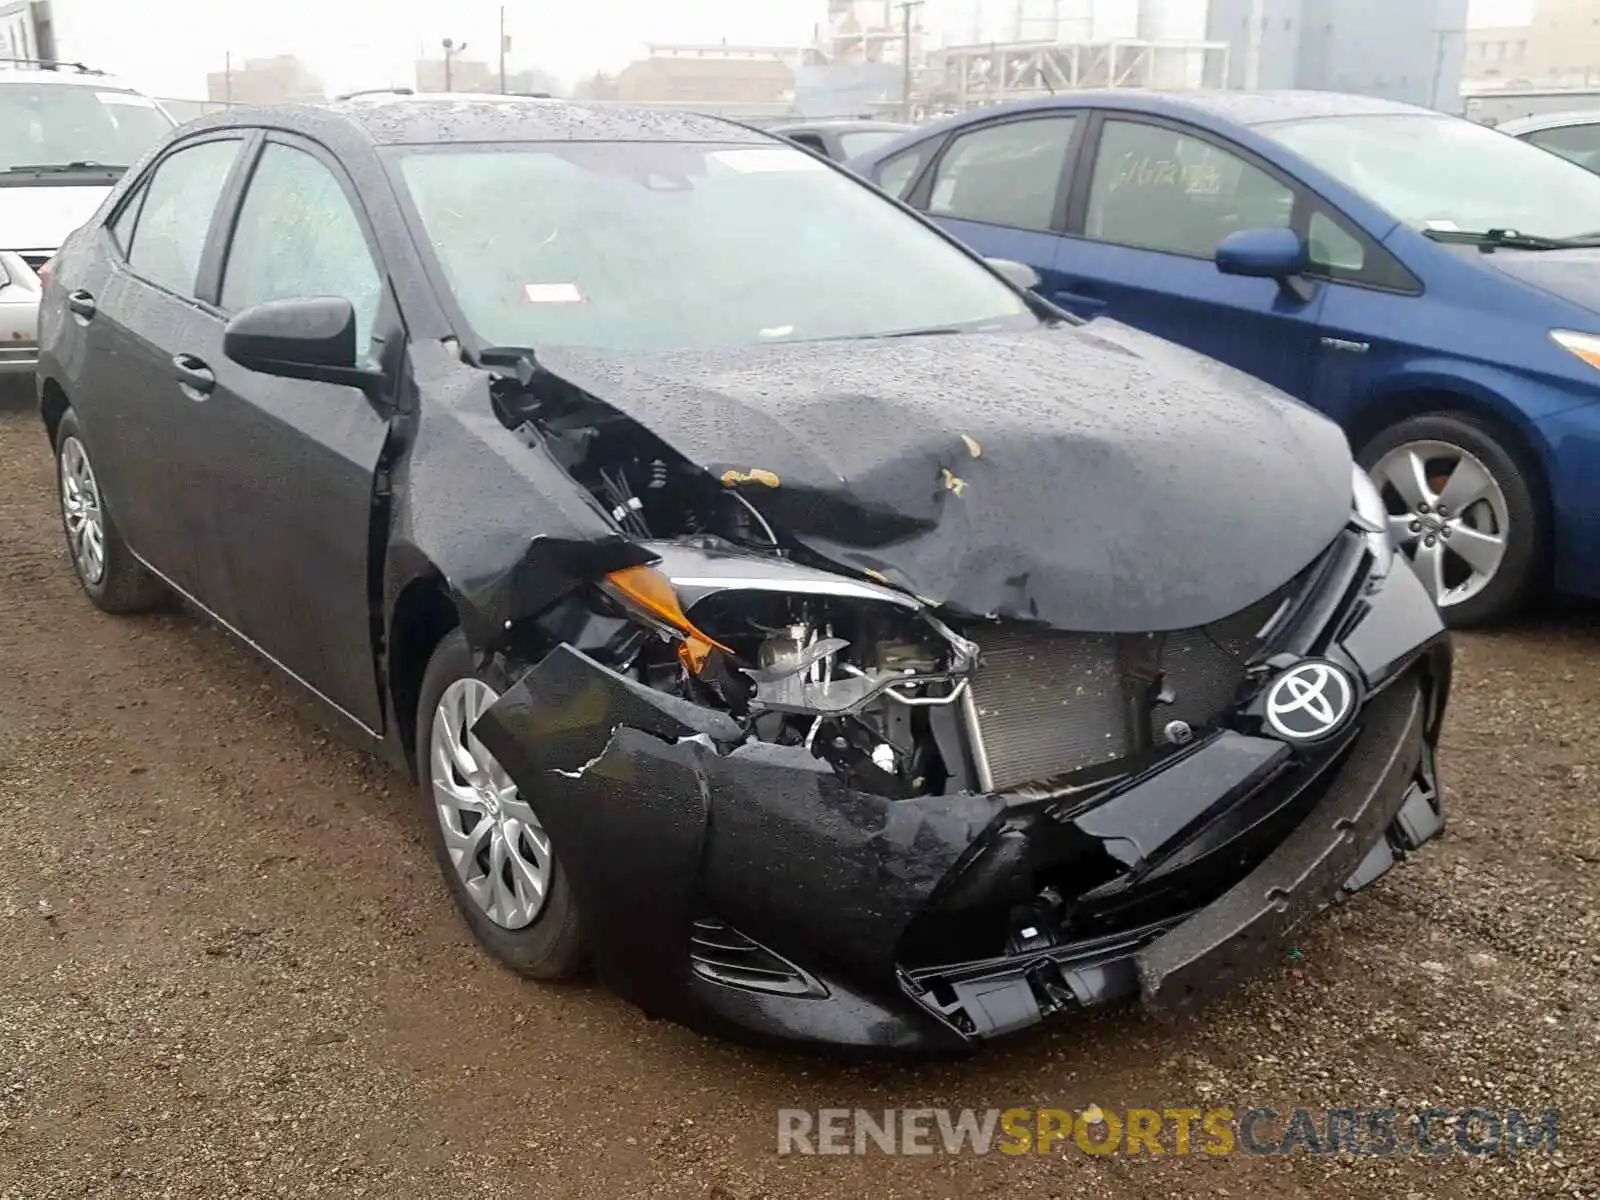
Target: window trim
(921, 193)
(1381, 271)
(140, 188)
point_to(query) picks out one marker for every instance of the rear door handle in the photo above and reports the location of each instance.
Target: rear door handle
(81, 303)
(193, 375)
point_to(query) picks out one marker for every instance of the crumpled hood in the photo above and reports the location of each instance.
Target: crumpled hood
(1096, 479)
(1570, 275)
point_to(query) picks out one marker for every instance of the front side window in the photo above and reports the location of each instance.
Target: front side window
(64, 127)
(298, 237)
(1159, 188)
(174, 218)
(1007, 174)
(662, 245)
(1430, 171)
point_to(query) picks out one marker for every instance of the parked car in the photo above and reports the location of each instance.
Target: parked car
(840, 139)
(1427, 282)
(1575, 136)
(835, 641)
(66, 135)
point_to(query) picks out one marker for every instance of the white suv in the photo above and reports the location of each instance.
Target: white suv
(66, 136)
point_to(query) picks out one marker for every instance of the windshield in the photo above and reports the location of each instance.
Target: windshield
(58, 124)
(661, 245)
(1438, 172)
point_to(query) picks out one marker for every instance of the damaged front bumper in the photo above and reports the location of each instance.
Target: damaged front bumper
(743, 889)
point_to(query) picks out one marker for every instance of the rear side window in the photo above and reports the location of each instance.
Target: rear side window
(174, 218)
(1006, 174)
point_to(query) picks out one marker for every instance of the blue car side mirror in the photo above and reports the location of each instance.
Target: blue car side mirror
(1263, 254)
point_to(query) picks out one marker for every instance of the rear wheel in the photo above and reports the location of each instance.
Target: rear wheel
(496, 857)
(110, 575)
(1465, 511)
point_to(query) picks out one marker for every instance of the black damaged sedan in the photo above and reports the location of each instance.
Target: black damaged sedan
(777, 607)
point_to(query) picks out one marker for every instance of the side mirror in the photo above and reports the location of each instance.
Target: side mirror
(312, 338)
(1020, 275)
(1263, 254)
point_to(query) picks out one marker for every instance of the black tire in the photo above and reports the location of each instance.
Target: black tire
(1522, 571)
(552, 946)
(124, 586)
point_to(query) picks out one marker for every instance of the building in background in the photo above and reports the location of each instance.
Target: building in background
(1564, 41)
(718, 73)
(1498, 54)
(1408, 50)
(264, 81)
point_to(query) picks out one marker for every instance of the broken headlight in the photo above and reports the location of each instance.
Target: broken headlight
(858, 674)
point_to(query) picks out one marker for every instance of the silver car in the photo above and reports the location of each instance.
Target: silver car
(66, 136)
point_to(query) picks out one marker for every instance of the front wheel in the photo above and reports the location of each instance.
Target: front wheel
(493, 850)
(1465, 511)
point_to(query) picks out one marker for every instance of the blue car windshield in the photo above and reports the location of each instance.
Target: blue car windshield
(663, 245)
(1431, 171)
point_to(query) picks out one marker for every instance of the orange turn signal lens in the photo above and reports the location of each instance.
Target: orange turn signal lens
(1585, 345)
(651, 591)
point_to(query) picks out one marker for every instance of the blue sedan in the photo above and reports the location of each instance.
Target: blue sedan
(1431, 284)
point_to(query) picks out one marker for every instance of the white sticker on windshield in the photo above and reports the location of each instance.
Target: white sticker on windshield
(759, 159)
(131, 99)
(552, 293)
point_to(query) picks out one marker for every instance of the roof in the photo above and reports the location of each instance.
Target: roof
(471, 117)
(843, 124)
(1243, 108)
(67, 75)
(1556, 120)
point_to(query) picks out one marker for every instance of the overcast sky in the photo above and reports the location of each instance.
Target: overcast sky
(167, 46)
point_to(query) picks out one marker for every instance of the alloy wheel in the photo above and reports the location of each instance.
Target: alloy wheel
(81, 509)
(1448, 513)
(500, 851)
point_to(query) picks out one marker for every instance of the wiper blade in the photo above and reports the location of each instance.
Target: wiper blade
(1512, 239)
(82, 164)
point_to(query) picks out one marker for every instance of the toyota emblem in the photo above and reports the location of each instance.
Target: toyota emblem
(1310, 701)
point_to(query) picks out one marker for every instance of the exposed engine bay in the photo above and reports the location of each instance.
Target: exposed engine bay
(860, 674)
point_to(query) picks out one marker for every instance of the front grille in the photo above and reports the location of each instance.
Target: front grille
(35, 259)
(722, 954)
(1046, 703)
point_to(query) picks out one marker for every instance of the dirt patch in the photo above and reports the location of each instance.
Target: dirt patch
(227, 966)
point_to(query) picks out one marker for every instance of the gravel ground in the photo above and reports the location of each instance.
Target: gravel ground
(227, 967)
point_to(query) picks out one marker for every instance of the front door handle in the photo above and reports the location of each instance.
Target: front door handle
(81, 304)
(193, 375)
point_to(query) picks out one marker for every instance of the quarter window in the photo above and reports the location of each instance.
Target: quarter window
(1160, 189)
(297, 237)
(1333, 248)
(897, 174)
(1007, 174)
(175, 214)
